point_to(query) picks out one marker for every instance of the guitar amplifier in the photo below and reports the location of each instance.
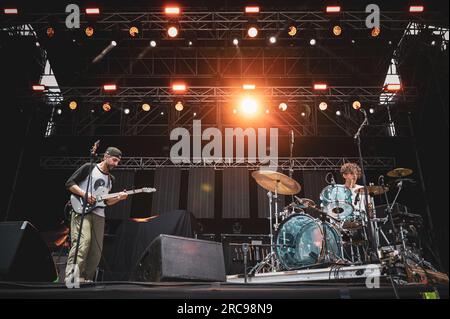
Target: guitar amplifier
(258, 249)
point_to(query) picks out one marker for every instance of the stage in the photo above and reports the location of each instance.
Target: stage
(216, 290)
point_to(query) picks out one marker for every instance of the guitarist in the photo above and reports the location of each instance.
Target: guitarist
(91, 242)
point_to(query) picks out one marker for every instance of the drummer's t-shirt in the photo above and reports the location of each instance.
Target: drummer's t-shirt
(358, 202)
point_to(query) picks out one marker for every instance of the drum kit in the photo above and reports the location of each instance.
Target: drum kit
(306, 235)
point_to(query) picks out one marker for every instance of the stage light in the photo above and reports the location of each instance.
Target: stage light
(234, 111)
(73, 105)
(10, 11)
(153, 43)
(190, 43)
(38, 87)
(267, 111)
(109, 87)
(273, 39)
(415, 9)
(172, 31)
(89, 31)
(252, 9)
(126, 111)
(303, 114)
(320, 86)
(59, 111)
(172, 11)
(372, 110)
(38, 44)
(162, 113)
(179, 106)
(323, 106)
(356, 105)
(312, 42)
(433, 43)
(338, 113)
(145, 107)
(282, 106)
(92, 11)
(375, 32)
(252, 32)
(393, 87)
(106, 107)
(134, 31)
(179, 87)
(337, 30)
(50, 32)
(333, 9)
(235, 41)
(194, 114)
(248, 86)
(113, 43)
(249, 105)
(353, 41)
(292, 31)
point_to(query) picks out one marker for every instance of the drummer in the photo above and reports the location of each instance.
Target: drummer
(351, 172)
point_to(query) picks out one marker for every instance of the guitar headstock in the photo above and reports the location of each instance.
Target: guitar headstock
(148, 190)
(95, 147)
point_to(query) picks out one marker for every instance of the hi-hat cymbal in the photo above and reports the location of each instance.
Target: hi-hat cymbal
(400, 172)
(374, 190)
(270, 180)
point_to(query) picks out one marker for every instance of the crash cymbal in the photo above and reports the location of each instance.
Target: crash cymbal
(270, 181)
(373, 190)
(400, 172)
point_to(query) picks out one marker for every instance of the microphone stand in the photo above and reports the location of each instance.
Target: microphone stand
(291, 161)
(372, 244)
(85, 202)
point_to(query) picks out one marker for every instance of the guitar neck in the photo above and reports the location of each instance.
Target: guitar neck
(109, 196)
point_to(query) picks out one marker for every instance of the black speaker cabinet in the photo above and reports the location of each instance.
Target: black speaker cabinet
(173, 258)
(24, 256)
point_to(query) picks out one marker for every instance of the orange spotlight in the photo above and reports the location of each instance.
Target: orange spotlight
(89, 31)
(106, 107)
(337, 30)
(333, 9)
(134, 31)
(146, 107)
(172, 10)
(38, 87)
(320, 86)
(415, 9)
(323, 106)
(179, 87)
(375, 32)
(356, 105)
(248, 86)
(92, 10)
(172, 31)
(249, 105)
(252, 9)
(393, 87)
(109, 87)
(10, 11)
(283, 106)
(252, 32)
(73, 105)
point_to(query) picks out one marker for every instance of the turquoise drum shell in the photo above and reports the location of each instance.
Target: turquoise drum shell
(334, 196)
(299, 241)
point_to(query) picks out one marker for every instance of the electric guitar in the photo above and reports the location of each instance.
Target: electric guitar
(101, 195)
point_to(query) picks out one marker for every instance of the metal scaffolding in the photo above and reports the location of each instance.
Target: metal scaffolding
(152, 163)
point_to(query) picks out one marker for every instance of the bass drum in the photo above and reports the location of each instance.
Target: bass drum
(299, 241)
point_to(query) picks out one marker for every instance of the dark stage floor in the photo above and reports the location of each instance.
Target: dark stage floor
(198, 290)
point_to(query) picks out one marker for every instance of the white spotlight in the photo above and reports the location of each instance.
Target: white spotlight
(312, 42)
